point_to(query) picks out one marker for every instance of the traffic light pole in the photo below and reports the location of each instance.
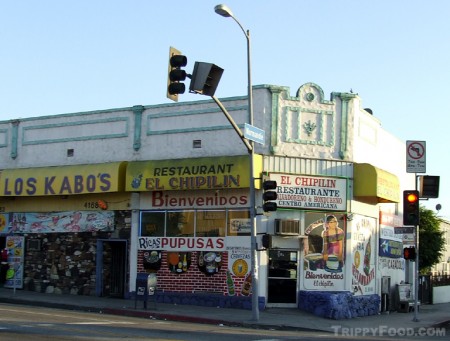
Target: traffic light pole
(235, 126)
(416, 270)
(224, 11)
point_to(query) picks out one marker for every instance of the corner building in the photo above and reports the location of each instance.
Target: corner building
(93, 202)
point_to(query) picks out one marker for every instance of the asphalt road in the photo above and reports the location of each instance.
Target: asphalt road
(19, 322)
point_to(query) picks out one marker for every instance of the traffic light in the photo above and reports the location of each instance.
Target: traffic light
(268, 196)
(266, 241)
(409, 253)
(175, 74)
(411, 208)
(205, 78)
(429, 186)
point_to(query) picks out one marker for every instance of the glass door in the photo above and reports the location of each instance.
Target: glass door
(282, 277)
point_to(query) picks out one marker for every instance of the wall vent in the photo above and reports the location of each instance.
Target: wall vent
(287, 227)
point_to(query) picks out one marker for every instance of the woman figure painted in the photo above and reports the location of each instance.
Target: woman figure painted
(333, 240)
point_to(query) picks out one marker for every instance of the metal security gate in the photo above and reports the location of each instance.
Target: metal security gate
(425, 290)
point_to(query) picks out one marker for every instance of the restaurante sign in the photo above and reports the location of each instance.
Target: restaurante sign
(309, 192)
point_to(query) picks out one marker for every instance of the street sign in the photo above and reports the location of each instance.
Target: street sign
(253, 133)
(415, 157)
(404, 229)
(408, 239)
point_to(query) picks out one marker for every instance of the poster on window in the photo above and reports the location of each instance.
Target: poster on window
(324, 252)
(363, 255)
(14, 272)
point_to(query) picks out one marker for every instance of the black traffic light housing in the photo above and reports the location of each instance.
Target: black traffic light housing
(411, 208)
(175, 74)
(269, 196)
(409, 253)
(266, 241)
(429, 186)
(205, 78)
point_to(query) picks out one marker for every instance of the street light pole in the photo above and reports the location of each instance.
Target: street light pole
(224, 11)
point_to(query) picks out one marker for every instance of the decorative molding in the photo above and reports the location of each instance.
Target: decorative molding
(30, 135)
(323, 122)
(14, 138)
(345, 99)
(188, 123)
(137, 111)
(3, 138)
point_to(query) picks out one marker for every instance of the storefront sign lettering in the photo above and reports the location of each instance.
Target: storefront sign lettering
(363, 265)
(53, 186)
(160, 200)
(188, 174)
(181, 243)
(392, 264)
(66, 180)
(308, 192)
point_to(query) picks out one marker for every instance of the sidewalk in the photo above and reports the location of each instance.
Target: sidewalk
(429, 316)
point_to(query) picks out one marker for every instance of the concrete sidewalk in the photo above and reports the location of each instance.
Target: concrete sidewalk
(429, 316)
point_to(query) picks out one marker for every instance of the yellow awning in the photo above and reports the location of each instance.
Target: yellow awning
(374, 185)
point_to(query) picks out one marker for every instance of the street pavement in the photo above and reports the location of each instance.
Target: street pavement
(429, 317)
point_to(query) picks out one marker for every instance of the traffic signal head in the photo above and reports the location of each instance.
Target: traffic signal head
(268, 196)
(411, 208)
(429, 186)
(409, 253)
(175, 74)
(205, 78)
(266, 241)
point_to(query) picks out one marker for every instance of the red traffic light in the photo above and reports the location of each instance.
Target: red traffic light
(411, 208)
(412, 197)
(409, 253)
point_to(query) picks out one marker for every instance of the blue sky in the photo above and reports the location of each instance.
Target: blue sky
(70, 56)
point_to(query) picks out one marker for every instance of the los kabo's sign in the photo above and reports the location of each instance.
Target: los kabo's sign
(310, 192)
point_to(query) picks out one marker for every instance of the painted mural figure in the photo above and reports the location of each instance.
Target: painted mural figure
(333, 244)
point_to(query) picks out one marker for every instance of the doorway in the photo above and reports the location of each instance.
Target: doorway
(111, 268)
(282, 278)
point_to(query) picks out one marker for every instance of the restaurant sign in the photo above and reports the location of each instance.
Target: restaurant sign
(182, 244)
(191, 174)
(63, 180)
(310, 192)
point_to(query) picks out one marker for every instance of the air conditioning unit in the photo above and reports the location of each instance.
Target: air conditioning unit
(287, 227)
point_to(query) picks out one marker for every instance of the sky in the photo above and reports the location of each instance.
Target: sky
(61, 57)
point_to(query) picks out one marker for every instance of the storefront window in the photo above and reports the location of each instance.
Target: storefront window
(152, 224)
(239, 223)
(195, 223)
(180, 223)
(211, 224)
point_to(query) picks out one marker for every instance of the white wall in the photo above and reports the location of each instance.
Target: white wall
(441, 294)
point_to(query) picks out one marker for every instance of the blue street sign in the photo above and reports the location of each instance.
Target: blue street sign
(255, 134)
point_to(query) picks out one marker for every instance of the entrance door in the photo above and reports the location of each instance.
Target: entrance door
(283, 266)
(111, 265)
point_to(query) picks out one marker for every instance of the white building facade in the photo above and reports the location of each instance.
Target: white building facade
(94, 201)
